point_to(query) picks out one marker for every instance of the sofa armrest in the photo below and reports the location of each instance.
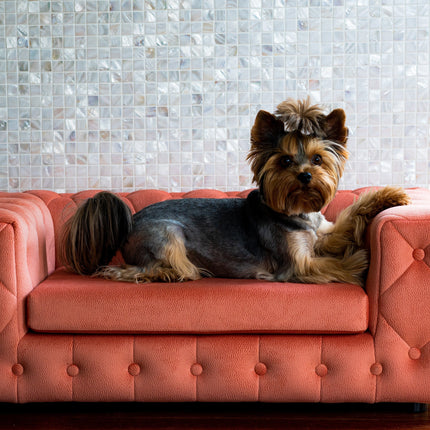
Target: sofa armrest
(398, 283)
(27, 256)
(398, 286)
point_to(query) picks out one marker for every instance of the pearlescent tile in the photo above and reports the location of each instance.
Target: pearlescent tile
(129, 94)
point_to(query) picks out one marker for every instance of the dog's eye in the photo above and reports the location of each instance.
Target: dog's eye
(317, 160)
(286, 161)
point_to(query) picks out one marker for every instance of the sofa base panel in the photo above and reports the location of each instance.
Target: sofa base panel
(219, 368)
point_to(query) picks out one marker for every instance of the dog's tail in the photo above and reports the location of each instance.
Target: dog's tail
(94, 233)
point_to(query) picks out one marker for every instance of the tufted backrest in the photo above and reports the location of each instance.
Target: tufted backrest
(63, 206)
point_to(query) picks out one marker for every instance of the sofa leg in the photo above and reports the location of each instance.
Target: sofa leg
(418, 408)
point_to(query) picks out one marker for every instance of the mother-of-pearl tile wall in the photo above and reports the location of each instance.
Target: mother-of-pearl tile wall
(130, 94)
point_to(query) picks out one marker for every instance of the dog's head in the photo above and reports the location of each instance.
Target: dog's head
(298, 156)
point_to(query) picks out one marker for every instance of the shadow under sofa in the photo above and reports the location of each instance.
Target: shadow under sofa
(66, 337)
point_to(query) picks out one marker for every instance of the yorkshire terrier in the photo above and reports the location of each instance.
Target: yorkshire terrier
(277, 233)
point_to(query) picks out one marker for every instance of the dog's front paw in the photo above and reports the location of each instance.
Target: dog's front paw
(392, 196)
(372, 203)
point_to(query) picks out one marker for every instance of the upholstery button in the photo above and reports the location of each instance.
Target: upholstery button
(414, 353)
(321, 370)
(260, 369)
(418, 254)
(196, 369)
(17, 369)
(134, 369)
(376, 369)
(73, 370)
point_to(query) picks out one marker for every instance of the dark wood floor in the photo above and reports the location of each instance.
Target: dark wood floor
(210, 416)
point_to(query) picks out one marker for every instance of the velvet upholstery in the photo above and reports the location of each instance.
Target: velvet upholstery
(225, 340)
(67, 303)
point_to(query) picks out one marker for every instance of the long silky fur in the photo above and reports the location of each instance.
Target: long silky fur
(93, 235)
(300, 115)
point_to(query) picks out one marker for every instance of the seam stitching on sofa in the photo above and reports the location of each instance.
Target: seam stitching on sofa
(397, 279)
(197, 361)
(17, 361)
(404, 238)
(321, 360)
(380, 294)
(5, 288)
(12, 316)
(15, 251)
(259, 361)
(394, 330)
(73, 362)
(134, 361)
(15, 273)
(412, 247)
(399, 335)
(32, 193)
(375, 377)
(407, 241)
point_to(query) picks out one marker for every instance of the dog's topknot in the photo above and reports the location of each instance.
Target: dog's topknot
(300, 115)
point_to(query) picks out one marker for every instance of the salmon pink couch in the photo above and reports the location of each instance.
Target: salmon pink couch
(65, 337)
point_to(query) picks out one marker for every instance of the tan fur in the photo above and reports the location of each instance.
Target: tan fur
(284, 193)
(176, 256)
(347, 233)
(270, 143)
(308, 268)
(297, 159)
(175, 267)
(136, 274)
(300, 115)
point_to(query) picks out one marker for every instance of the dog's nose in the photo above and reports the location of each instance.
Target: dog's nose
(304, 178)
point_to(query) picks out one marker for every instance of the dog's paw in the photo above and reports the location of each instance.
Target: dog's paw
(392, 196)
(372, 203)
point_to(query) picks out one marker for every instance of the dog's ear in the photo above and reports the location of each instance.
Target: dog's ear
(265, 135)
(334, 127)
(266, 130)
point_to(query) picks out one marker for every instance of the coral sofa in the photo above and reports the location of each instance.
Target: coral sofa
(65, 337)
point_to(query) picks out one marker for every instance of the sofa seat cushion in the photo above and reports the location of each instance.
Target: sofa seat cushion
(71, 303)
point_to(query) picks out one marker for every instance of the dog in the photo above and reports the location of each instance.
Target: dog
(277, 233)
